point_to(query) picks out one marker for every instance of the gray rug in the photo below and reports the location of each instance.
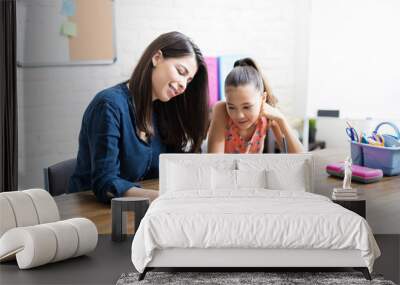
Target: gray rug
(229, 278)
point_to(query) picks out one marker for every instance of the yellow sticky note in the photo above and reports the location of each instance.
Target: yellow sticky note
(69, 29)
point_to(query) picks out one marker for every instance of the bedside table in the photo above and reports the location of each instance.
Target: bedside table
(119, 207)
(357, 206)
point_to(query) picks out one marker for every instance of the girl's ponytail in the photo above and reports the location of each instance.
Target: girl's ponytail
(249, 62)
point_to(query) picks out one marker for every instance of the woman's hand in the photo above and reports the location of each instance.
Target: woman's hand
(140, 192)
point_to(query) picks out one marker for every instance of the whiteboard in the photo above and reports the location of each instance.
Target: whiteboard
(41, 42)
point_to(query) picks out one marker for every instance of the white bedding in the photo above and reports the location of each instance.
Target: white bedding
(251, 218)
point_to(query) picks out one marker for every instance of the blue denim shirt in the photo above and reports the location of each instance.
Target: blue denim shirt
(111, 156)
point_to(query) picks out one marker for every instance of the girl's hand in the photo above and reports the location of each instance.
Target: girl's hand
(281, 128)
(270, 112)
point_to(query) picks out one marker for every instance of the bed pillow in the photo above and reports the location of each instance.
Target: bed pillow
(283, 173)
(231, 180)
(183, 177)
(251, 178)
(293, 180)
(223, 179)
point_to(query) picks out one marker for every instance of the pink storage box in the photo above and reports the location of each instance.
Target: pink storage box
(360, 173)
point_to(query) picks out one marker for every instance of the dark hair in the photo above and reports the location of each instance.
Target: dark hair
(246, 71)
(183, 120)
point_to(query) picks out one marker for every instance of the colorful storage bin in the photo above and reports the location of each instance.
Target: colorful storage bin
(385, 158)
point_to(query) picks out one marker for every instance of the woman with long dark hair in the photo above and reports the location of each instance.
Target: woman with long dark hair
(162, 108)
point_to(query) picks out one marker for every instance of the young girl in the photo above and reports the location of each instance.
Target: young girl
(240, 124)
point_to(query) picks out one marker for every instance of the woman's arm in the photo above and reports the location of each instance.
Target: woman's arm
(216, 134)
(103, 130)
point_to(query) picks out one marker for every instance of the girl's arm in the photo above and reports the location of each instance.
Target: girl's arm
(281, 128)
(216, 134)
(284, 129)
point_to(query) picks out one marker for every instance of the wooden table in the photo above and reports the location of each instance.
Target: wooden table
(383, 198)
(84, 204)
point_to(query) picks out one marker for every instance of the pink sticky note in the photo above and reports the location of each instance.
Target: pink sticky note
(212, 68)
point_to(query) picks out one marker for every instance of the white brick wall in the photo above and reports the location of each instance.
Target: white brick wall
(52, 100)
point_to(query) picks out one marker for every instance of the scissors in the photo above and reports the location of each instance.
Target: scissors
(352, 133)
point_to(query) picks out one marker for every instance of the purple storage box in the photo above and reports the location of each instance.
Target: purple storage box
(385, 158)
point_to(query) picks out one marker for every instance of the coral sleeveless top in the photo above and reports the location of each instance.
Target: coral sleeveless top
(234, 143)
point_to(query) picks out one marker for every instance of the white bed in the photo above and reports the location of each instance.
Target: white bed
(247, 211)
